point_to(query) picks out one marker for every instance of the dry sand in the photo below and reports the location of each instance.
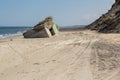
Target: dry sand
(73, 55)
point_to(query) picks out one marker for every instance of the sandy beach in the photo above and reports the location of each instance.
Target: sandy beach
(71, 55)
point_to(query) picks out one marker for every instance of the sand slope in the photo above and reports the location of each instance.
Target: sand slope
(75, 55)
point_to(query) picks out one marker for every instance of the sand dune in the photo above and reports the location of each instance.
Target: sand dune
(73, 55)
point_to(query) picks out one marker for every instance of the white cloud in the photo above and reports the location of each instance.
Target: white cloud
(90, 16)
(113, 1)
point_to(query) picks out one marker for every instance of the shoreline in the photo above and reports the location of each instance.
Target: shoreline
(10, 38)
(61, 30)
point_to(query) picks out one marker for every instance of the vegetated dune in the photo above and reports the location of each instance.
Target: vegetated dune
(109, 22)
(73, 55)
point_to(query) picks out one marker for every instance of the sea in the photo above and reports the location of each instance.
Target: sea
(12, 31)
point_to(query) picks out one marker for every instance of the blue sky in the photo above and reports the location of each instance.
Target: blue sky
(64, 12)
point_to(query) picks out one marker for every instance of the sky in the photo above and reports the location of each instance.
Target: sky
(64, 12)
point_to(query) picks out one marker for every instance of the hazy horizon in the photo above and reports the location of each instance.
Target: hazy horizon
(59, 26)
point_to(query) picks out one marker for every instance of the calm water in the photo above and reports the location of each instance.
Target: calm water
(11, 31)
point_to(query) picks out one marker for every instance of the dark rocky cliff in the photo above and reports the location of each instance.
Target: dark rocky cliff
(109, 22)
